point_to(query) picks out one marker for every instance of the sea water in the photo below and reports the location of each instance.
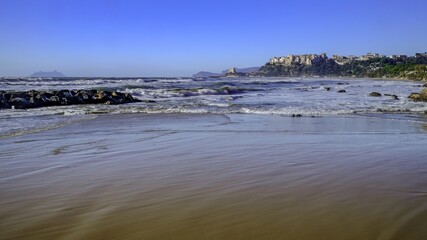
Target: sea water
(279, 96)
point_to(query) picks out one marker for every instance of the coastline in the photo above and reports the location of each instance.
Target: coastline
(278, 96)
(338, 77)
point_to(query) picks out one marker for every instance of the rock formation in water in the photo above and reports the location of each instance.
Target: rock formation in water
(232, 72)
(375, 94)
(419, 97)
(35, 99)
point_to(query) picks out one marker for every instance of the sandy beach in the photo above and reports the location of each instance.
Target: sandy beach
(211, 176)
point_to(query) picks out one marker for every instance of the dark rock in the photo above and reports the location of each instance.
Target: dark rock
(36, 102)
(129, 97)
(54, 100)
(375, 94)
(52, 93)
(118, 97)
(328, 88)
(425, 85)
(415, 96)
(48, 94)
(33, 98)
(44, 97)
(13, 95)
(32, 93)
(419, 97)
(20, 103)
(7, 96)
(394, 96)
(296, 115)
(99, 95)
(64, 94)
(104, 97)
(3, 102)
(342, 91)
(67, 97)
(84, 96)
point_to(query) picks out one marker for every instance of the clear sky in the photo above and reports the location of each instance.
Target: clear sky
(179, 38)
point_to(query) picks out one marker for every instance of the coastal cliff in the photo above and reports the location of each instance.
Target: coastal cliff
(366, 66)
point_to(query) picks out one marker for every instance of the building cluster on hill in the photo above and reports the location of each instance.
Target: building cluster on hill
(306, 59)
(309, 59)
(370, 65)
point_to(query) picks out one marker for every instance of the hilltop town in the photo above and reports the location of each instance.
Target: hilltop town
(309, 59)
(371, 65)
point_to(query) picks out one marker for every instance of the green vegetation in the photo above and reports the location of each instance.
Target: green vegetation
(414, 68)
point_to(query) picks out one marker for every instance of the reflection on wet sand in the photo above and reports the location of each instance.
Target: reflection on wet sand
(216, 177)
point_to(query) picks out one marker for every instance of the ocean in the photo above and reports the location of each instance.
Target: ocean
(278, 96)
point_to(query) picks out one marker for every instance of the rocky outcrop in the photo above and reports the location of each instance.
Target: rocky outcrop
(375, 94)
(232, 72)
(419, 97)
(370, 65)
(35, 99)
(394, 96)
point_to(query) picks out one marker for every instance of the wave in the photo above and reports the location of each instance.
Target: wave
(201, 106)
(280, 96)
(40, 127)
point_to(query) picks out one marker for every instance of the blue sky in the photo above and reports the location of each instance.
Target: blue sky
(179, 38)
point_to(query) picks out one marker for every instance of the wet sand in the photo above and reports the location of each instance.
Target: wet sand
(209, 176)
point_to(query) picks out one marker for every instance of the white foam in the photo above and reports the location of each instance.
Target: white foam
(253, 96)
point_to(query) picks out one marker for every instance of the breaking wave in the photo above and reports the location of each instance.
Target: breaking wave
(281, 96)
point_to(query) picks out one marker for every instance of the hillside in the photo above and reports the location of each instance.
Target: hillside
(371, 65)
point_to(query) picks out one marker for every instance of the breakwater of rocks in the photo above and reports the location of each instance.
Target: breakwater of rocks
(35, 99)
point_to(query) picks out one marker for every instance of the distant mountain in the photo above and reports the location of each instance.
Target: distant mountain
(53, 74)
(204, 74)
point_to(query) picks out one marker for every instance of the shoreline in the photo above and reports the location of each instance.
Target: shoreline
(418, 118)
(285, 97)
(337, 78)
